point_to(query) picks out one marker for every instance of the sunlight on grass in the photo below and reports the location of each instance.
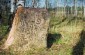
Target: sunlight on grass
(64, 32)
(70, 29)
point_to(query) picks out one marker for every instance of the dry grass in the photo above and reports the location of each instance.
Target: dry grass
(71, 29)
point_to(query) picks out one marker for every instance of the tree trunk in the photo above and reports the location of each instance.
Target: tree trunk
(28, 30)
(33, 3)
(75, 8)
(65, 8)
(46, 3)
(71, 10)
(12, 6)
(84, 11)
(82, 8)
(56, 8)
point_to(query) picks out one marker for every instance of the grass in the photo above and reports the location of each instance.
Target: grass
(3, 29)
(70, 29)
(3, 33)
(65, 37)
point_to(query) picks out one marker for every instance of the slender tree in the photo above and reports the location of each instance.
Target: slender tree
(46, 3)
(75, 8)
(65, 7)
(84, 8)
(33, 3)
(56, 5)
(37, 3)
(72, 8)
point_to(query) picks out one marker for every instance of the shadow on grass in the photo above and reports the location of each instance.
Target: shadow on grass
(63, 20)
(52, 38)
(79, 48)
(10, 21)
(3, 34)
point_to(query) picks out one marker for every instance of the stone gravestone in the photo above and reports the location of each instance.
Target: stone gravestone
(29, 30)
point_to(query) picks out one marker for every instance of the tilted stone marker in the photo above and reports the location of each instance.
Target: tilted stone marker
(29, 30)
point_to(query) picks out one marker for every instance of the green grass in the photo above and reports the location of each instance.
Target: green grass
(3, 33)
(3, 29)
(66, 35)
(70, 29)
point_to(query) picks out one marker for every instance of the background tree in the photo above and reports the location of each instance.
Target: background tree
(56, 5)
(84, 8)
(65, 7)
(75, 7)
(37, 3)
(46, 4)
(33, 3)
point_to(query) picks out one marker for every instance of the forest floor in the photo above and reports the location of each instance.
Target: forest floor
(66, 37)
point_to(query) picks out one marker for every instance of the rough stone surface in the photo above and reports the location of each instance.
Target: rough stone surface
(29, 30)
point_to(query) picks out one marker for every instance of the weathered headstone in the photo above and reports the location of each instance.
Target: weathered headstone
(29, 30)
